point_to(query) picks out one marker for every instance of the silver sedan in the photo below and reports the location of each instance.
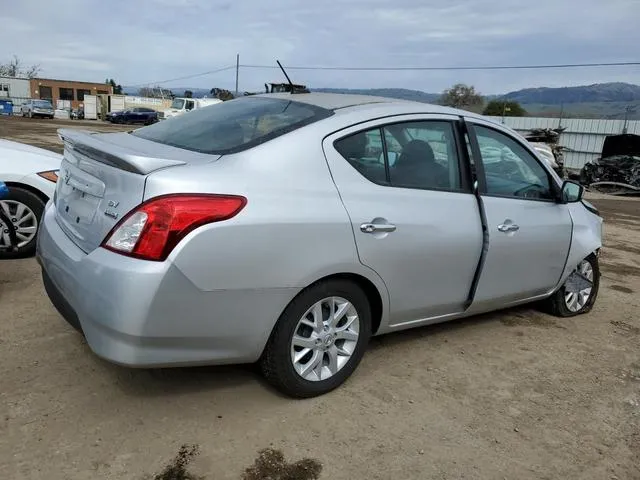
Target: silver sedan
(289, 228)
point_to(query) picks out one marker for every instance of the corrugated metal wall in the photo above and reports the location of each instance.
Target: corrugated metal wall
(583, 136)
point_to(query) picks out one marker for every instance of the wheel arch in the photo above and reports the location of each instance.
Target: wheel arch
(586, 238)
(371, 291)
(24, 186)
(374, 289)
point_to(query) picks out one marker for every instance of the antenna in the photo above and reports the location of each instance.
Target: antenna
(294, 88)
(285, 74)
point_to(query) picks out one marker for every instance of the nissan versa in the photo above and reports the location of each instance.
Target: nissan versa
(289, 228)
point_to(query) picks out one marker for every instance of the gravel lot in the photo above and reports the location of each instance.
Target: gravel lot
(516, 394)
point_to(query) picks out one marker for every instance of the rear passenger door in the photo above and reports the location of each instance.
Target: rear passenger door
(529, 231)
(414, 218)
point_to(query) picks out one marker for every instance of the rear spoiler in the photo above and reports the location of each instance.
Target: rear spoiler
(85, 143)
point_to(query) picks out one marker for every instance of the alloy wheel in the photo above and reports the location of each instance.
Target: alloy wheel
(325, 338)
(23, 221)
(578, 287)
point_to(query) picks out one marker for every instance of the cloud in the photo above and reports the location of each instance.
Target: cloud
(146, 42)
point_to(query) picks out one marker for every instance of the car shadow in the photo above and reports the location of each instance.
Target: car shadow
(154, 382)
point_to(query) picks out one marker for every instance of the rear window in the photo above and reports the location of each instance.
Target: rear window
(233, 126)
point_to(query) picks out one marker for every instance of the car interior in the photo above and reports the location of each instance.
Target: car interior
(417, 157)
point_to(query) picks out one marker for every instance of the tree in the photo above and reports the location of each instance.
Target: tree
(221, 94)
(462, 96)
(117, 89)
(15, 69)
(507, 108)
(188, 94)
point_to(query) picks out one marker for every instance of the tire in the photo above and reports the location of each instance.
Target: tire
(557, 304)
(18, 196)
(277, 363)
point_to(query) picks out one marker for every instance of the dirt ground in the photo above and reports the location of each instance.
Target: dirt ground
(41, 132)
(510, 395)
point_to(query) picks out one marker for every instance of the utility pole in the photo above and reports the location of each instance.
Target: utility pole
(561, 113)
(627, 110)
(505, 109)
(237, 71)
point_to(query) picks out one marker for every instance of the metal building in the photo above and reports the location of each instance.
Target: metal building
(584, 137)
(17, 90)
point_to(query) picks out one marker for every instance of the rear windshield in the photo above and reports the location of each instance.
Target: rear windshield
(233, 126)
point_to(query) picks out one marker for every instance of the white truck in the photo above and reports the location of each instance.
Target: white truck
(181, 105)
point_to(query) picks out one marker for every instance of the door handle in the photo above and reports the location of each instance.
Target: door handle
(377, 227)
(506, 228)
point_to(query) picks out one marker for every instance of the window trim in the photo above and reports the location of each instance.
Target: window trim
(466, 186)
(480, 171)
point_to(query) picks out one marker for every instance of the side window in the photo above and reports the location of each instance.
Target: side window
(189, 105)
(510, 170)
(363, 150)
(419, 155)
(428, 156)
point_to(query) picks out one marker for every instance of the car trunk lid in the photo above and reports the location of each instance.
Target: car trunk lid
(102, 177)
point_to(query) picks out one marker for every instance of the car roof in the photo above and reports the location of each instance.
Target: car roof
(343, 102)
(332, 101)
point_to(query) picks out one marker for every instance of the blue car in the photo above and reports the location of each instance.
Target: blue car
(143, 115)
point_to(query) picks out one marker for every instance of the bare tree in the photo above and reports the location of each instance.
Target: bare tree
(14, 68)
(462, 96)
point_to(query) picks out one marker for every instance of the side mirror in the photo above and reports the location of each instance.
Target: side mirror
(571, 192)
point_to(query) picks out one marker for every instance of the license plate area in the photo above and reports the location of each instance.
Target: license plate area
(79, 196)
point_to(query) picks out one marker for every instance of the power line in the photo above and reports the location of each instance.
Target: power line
(493, 67)
(395, 69)
(186, 77)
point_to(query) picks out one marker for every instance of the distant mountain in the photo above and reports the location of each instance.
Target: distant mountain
(599, 92)
(601, 100)
(401, 93)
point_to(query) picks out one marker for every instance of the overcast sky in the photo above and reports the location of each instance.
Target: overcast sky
(139, 42)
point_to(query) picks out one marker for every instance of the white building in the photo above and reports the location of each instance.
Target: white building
(15, 88)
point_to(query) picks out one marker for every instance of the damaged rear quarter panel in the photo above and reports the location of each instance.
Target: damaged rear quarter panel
(586, 238)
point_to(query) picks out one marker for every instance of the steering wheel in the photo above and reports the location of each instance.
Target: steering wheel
(530, 191)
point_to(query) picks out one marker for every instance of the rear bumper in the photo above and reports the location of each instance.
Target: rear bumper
(148, 314)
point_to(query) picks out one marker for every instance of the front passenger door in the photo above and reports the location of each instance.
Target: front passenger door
(529, 232)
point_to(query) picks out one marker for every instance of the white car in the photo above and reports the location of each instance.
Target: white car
(31, 174)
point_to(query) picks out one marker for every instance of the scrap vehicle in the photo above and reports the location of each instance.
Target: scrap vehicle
(545, 141)
(285, 87)
(617, 171)
(164, 220)
(281, 88)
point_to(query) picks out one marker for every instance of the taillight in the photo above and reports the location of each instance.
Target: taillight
(154, 228)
